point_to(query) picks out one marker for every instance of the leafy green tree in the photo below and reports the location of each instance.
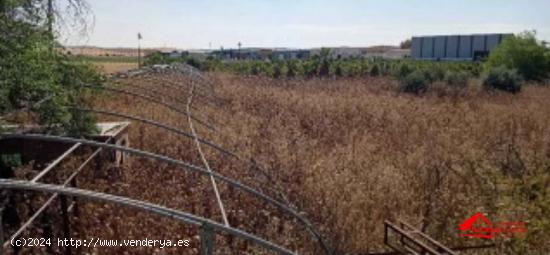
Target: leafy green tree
(291, 69)
(407, 44)
(525, 54)
(32, 71)
(278, 71)
(324, 63)
(375, 70)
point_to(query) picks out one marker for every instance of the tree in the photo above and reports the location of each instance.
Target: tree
(31, 71)
(324, 63)
(523, 53)
(407, 44)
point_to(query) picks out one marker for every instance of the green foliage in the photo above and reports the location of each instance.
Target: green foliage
(502, 78)
(31, 71)
(375, 70)
(324, 68)
(323, 65)
(338, 69)
(278, 70)
(194, 62)
(456, 79)
(158, 58)
(293, 69)
(403, 70)
(523, 53)
(416, 83)
(10, 160)
(7, 163)
(437, 73)
(407, 44)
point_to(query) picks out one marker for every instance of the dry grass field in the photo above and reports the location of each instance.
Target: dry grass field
(115, 67)
(353, 152)
(349, 153)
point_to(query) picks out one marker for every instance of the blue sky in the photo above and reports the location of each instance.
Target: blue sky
(302, 23)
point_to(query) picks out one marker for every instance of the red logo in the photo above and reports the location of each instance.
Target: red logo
(478, 226)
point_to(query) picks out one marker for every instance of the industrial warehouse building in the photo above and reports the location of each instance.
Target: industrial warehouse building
(455, 47)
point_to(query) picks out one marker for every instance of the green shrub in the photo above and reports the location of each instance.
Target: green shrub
(416, 83)
(456, 79)
(279, 70)
(32, 71)
(324, 68)
(194, 63)
(292, 69)
(403, 70)
(375, 70)
(438, 72)
(523, 53)
(338, 69)
(502, 78)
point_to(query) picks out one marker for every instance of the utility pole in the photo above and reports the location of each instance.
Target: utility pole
(139, 49)
(239, 44)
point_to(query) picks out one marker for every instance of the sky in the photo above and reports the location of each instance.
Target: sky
(211, 24)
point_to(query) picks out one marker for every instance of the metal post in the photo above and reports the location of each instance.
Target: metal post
(75, 204)
(207, 240)
(139, 50)
(66, 222)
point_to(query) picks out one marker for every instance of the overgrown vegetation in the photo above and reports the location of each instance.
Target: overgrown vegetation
(415, 82)
(32, 71)
(523, 53)
(502, 78)
(429, 161)
(456, 79)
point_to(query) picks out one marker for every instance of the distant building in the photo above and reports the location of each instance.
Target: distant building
(199, 54)
(397, 54)
(455, 47)
(243, 54)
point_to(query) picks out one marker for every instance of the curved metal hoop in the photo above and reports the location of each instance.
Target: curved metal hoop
(182, 164)
(143, 206)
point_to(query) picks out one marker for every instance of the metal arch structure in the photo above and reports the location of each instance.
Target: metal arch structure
(70, 180)
(186, 166)
(209, 101)
(172, 98)
(261, 171)
(143, 206)
(175, 131)
(203, 157)
(150, 99)
(195, 75)
(176, 85)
